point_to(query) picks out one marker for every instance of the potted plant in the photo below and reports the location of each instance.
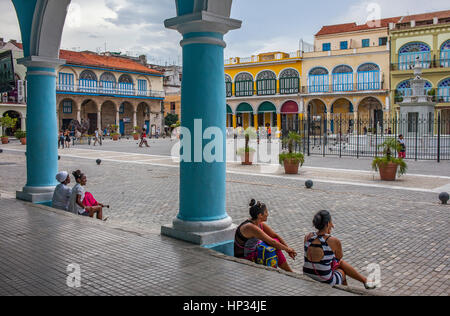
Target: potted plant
(114, 134)
(22, 136)
(7, 122)
(136, 133)
(388, 165)
(247, 152)
(292, 159)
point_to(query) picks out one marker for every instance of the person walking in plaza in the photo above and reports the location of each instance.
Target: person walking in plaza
(97, 137)
(255, 230)
(323, 255)
(61, 139)
(62, 193)
(269, 133)
(67, 138)
(77, 197)
(402, 152)
(143, 139)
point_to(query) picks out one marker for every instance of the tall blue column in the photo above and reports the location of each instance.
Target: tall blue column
(42, 148)
(41, 25)
(202, 216)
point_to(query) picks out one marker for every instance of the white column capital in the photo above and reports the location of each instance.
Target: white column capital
(202, 22)
(41, 62)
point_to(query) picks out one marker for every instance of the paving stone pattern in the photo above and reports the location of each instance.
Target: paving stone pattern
(404, 232)
(38, 246)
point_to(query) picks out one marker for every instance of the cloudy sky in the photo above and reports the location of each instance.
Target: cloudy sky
(136, 26)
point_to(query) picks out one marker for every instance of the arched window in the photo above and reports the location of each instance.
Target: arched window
(125, 85)
(445, 54)
(243, 85)
(343, 78)
(289, 81)
(408, 54)
(108, 82)
(266, 83)
(404, 88)
(444, 91)
(318, 80)
(229, 86)
(369, 77)
(88, 82)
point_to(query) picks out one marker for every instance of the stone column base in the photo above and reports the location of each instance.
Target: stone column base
(201, 233)
(35, 194)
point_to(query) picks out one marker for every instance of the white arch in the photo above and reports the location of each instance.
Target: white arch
(47, 27)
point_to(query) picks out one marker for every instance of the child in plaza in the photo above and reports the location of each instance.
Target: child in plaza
(67, 138)
(402, 152)
(323, 255)
(61, 139)
(254, 231)
(78, 196)
(61, 196)
(143, 139)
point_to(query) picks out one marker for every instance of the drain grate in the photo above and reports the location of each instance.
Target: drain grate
(7, 163)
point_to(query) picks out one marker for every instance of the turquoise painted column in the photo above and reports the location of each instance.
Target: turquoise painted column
(42, 148)
(41, 25)
(202, 216)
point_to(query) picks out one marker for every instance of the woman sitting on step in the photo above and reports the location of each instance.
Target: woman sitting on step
(323, 255)
(251, 233)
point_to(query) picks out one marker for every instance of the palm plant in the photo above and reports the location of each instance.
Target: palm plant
(390, 146)
(292, 141)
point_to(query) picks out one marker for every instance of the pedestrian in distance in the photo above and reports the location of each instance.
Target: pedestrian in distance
(97, 137)
(67, 138)
(61, 139)
(323, 255)
(402, 152)
(143, 139)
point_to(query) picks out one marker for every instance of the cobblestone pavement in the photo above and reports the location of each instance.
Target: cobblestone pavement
(40, 248)
(404, 232)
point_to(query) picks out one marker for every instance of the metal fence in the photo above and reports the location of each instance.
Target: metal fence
(426, 138)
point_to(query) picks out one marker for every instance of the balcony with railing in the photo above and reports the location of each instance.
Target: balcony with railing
(425, 63)
(270, 88)
(119, 90)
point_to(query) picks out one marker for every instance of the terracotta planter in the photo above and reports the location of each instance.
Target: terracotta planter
(136, 136)
(115, 137)
(291, 167)
(388, 172)
(247, 159)
(5, 140)
(23, 141)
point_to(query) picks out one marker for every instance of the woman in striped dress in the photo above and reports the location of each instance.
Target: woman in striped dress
(323, 255)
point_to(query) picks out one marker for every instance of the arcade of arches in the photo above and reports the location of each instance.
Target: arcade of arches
(103, 112)
(287, 114)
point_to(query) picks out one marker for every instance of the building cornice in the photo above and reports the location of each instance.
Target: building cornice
(264, 63)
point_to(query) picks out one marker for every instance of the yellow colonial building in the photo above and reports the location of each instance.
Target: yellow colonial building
(263, 90)
(425, 37)
(346, 76)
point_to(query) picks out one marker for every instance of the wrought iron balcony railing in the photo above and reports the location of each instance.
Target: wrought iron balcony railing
(109, 91)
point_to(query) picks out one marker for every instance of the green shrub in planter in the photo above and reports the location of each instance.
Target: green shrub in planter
(20, 134)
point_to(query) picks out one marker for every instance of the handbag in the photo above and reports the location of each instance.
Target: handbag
(266, 255)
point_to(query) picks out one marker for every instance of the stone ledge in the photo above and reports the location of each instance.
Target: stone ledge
(353, 290)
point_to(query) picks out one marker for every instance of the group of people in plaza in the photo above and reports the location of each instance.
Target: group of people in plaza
(256, 241)
(76, 200)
